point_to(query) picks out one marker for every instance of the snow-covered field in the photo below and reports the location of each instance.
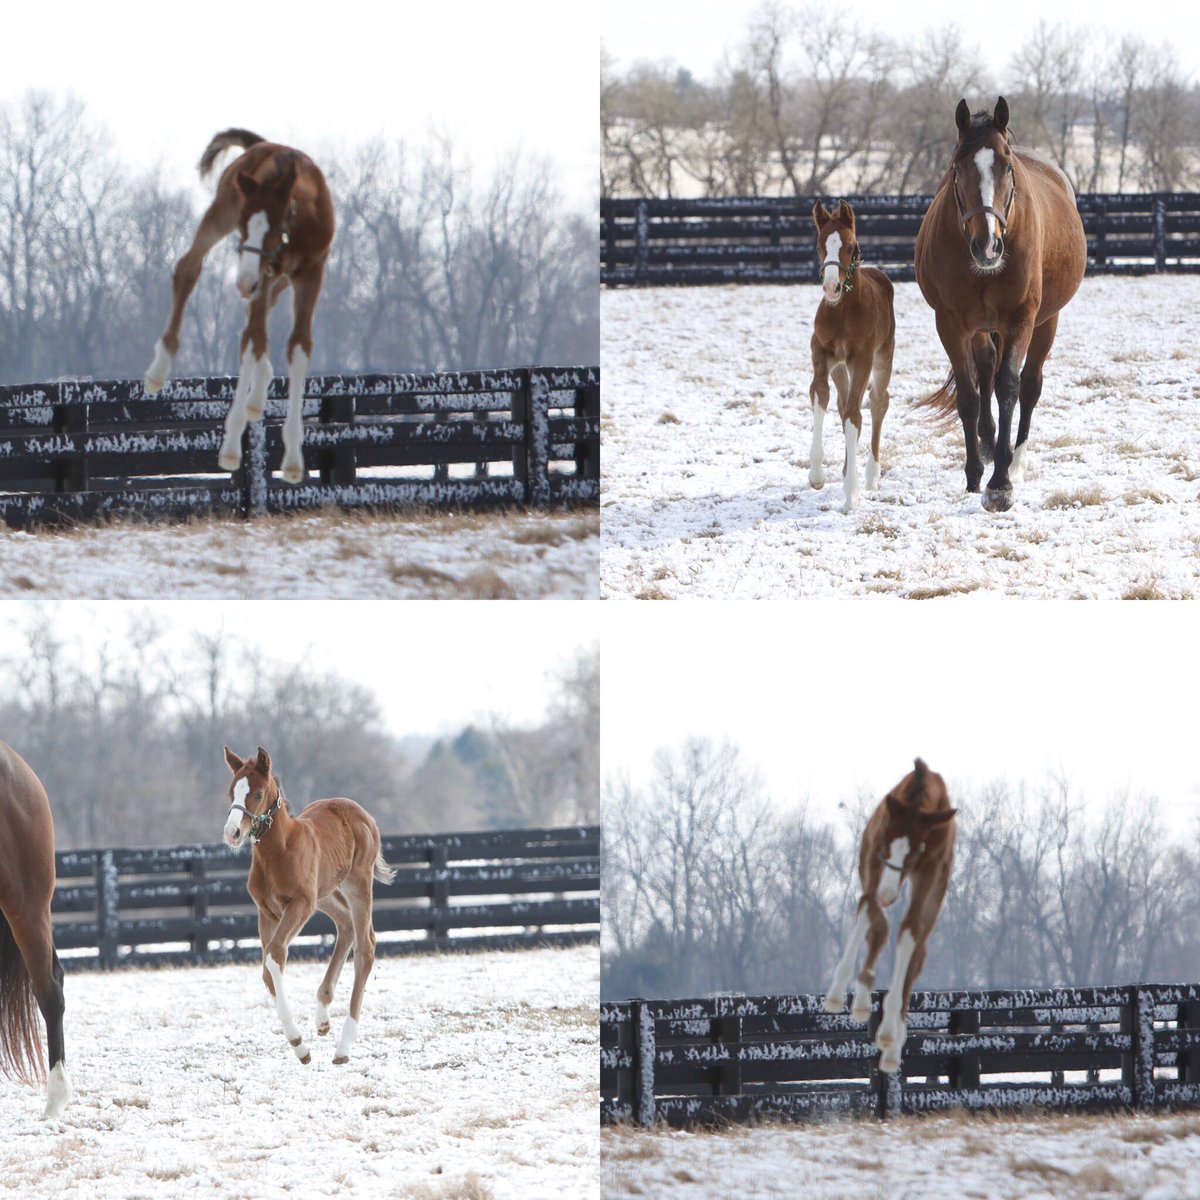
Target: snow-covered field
(327, 555)
(473, 1078)
(951, 1157)
(707, 428)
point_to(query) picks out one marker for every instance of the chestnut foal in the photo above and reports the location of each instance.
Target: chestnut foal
(854, 335)
(278, 201)
(324, 858)
(909, 836)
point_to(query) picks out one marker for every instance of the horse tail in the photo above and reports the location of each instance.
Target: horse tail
(224, 141)
(943, 402)
(20, 1037)
(383, 872)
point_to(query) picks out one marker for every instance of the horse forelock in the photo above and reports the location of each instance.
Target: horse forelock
(980, 130)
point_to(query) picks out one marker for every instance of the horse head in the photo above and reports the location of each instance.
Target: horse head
(254, 797)
(984, 183)
(266, 211)
(911, 818)
(837, 249)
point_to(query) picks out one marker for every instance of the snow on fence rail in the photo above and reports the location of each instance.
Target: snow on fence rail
(189, 904)
(78, 449)
(688, 1062)
(771, 239)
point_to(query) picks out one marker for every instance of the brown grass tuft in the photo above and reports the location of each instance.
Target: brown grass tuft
(1079, 498)
(936, 591)
(1147, 590)
(652, 593)
(667, 417)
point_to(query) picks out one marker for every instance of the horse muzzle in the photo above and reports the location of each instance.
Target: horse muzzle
(987, 254)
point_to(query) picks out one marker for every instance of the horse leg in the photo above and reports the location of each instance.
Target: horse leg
(983, 350)
(957, 346)
(835, 998)
(997, 497)
(893, 1031)
(306, 287)
(877, 932)
(881, 376)
(364, 960)
(850, 411)
(292, 920)
(1031, 390)
(254, 377)
(256, 403)
(335, 907)
(218, 221)
(818, 395)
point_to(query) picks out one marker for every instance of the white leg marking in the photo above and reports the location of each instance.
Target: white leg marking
(835, 1000)
(862, 1002)
(851, 480)
(349, 1032)
(260, 381)
(159, 368)
(249, 265)
(230, 457)
(59, 1092)
(293, 426)
(892, 1030)
(816, 455)
(1016, 472)
(290, 1029)
(889, 883)
(871, 478)
(322, 1018)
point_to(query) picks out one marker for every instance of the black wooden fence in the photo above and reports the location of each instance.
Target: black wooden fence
(772, 240)
(525, 436)
(458, 891)
(688, 1062)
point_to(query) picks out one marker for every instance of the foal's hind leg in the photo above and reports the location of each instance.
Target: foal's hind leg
(881, 376)
(219, 221)
(335, 907)
(364, 960)
(1031, 391)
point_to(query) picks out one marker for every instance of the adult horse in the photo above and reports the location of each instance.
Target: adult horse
(278, 201)
(910, 836)
(1000, 252)
(325, 858)
(29, 968)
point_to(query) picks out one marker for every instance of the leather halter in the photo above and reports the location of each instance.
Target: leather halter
(898, 869)
(847, 285)
(965, 215)
(260, 822)
(271, 257)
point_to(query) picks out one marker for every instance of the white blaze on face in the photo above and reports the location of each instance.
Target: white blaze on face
(889, 884)
(829, 268)
(241, 789)
(248, 264)
(985, 160)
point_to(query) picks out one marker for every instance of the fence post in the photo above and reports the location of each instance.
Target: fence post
(439, 891)
(1137, 1068)
(1189, 1060)
(107, 909)
(726, 1030)
(1160, 233)
(643, 1063)
(199, 907)
(537, 441)
(337, 464)
(587, 449)
(71, 420)
(642, 261)
(254, 463)
(964, 1072)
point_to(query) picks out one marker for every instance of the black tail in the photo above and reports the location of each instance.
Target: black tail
(223, 141)
(20, 1037)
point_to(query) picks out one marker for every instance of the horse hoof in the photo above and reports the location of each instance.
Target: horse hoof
(339, 1059)
(816, 480)
(229, 462)
(889, 1065)
(294, 1041)
(306, 1060)
(998, 499)
(292, 473)
(151, 386)
(322, 1030)
(834, 1004)
(848, 505)
(861, 1015)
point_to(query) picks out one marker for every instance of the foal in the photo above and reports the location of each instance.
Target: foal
(854, 334)
(323, 858)
(909, 836)
(278, 201)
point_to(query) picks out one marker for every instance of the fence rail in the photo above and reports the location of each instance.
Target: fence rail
(80, 449)
(772, 240)
(189, 904)
(688, 1062)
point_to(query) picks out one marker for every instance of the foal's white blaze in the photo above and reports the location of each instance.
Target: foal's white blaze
(889, 884)
(241, 789)
(985, 160)
(835, 999)
(248, 264)
(59, 1091)
(816, 455)
(851, 481)
(833, 250)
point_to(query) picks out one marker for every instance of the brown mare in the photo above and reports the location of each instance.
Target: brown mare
(278, 201)
(909, 836)
(325, 858)
(1000, 252)
(854, 334)
(29, 968)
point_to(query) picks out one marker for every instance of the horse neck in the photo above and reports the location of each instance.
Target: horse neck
(281, 823)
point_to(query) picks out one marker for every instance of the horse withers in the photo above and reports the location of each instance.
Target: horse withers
(30, 972)
(323, 858)
(1000, 252)
(910, 836)
(854, 335)
(279, 203)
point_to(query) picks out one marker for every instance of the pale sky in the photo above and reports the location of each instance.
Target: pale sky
(828, 697)
(697, 33)
(435, 666)
(163, 78)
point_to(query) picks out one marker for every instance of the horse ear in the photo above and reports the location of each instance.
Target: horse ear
(234, 763)
(846, 215)
(820, 214)
(247, 183)
(263, 762)
(896, 806)
(962, 115)
(938, 818)
(1000, 116)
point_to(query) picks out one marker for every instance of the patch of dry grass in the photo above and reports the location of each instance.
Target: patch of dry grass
(1145, 495)
(1144, 590)
(470, 1187)
(936, 591)
(652, 593)
(1083, 497)
(667, 417)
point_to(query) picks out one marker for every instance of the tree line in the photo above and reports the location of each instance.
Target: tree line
(812, 101)
(432, 267)
(708, 887)
(127, 733)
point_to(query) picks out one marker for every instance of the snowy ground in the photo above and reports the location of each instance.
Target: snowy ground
(951, 1157)
(707, 428)
(327, 555)
(474, 1078)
